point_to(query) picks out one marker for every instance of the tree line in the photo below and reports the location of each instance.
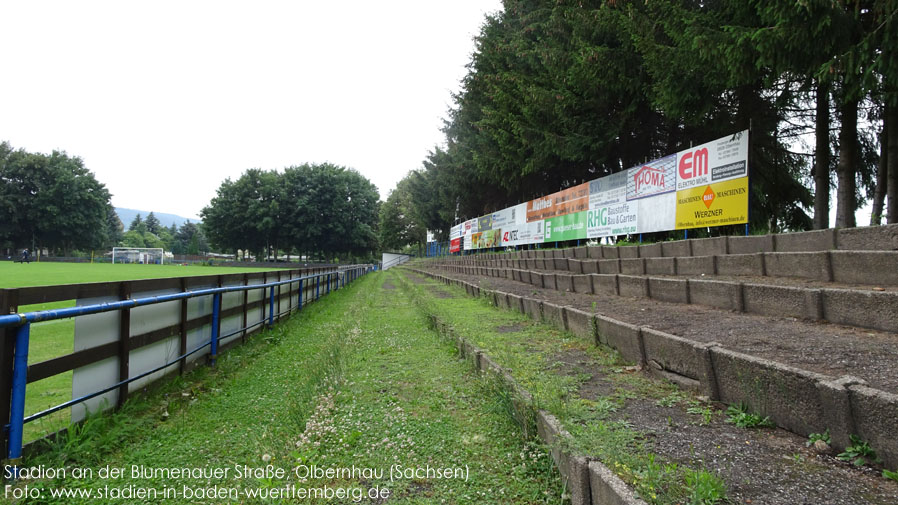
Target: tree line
(322, 212)
(561, 92)
(149, 232)
(52, 201)
(317, 211)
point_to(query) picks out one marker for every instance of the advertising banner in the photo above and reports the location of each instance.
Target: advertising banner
(567, 227)
(485, 222)
(522, 234)
(608, 190)
(503, 218)
(609, 220)
(486, 239)
(654, 178)
(717, 161)
(656, 213)
(568, 201)
(455, 245)
(470, 226)
(713, 205)
(702, 186)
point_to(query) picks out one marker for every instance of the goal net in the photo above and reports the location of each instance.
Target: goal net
(140, 255)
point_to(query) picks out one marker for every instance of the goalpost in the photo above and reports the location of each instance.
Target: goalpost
(140, 255)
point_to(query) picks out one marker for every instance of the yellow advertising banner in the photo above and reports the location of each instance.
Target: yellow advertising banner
(715, 204)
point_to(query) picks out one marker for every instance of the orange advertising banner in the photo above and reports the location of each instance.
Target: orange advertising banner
(568, 201)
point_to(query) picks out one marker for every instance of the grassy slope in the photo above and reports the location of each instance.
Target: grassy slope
(357, 378)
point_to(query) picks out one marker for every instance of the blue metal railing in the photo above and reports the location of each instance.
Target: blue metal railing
(17, 420)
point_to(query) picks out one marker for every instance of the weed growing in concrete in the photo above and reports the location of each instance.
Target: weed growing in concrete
(739, 415)
(859, 453)
(704, 410)
(888, 474)
(814, 437)
(706, 487)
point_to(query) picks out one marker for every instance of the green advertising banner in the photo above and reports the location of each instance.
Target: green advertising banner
(567, 227)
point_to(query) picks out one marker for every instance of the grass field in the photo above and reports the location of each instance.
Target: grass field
(51, 339)
(17, 275)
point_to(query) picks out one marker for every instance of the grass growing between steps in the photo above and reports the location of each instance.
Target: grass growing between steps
(355, 381)
(535, 355)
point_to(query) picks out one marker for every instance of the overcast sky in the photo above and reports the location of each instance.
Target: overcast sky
(164, 100)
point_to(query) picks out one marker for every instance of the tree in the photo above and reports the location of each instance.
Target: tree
(51, 201)
(114, 228)
(190, 239)
(399, 227)
(153, 224)
(240, 216)
(137, 221)
(312, 209)
(133, 238)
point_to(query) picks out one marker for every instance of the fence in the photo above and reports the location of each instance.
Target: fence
(123, 331)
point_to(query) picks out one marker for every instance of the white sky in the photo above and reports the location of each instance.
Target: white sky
(164, 100)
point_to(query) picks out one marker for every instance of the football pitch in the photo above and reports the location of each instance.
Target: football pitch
(17, 275)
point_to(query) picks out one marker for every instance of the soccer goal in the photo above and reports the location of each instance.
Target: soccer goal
(140, 255)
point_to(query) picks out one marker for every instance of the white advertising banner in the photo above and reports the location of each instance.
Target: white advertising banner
(654, 178)
(717, 161)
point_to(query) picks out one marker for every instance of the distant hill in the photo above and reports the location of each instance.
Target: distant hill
(127, 215)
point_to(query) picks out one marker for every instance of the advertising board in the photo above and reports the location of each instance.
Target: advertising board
(568, 201)
(716, 204)
(566, 227)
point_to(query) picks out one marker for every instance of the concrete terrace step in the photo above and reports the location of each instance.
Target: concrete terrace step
(781, 297)
(851, 267)
(870, 238)
(808, 377)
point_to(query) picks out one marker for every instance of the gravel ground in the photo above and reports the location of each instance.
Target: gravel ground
(769, 466)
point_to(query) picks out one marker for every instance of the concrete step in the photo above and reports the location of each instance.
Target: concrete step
(875, 268)
(870, 238)
(849, 305)
(808, 377)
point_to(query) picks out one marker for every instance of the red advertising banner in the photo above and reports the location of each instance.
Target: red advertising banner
(455, 245)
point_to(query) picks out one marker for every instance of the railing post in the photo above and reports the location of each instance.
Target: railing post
(216, 316)
(182, 329)
(300, 291)
(8, 305)
(124, 344)
(328, 284)
(271, 307)
(245, 303)
(317, 285)
(17, 404)
(264, 292)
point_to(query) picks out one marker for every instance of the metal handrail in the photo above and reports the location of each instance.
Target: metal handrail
(20, 359)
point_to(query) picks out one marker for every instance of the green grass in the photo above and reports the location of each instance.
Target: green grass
(17, 275)
(355, 379)
(532, 353)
